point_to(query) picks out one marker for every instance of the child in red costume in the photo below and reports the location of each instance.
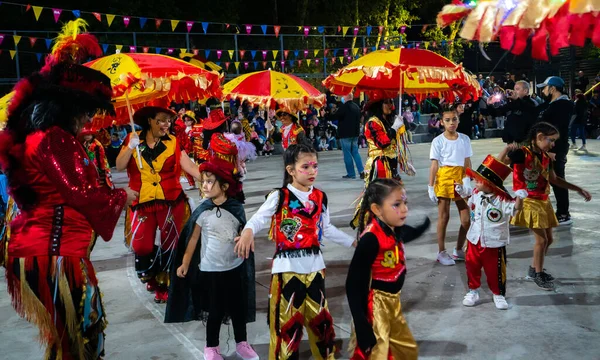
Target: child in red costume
(95, 152)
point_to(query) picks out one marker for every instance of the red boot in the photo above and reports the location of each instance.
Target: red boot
(161, 295)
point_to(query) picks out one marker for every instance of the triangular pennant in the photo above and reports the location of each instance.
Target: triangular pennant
(325, 52)
(189, 25)
(380, 30)
(218, 63)
(354, 51)
(48, 43)
(170, 51)
(402, 29)
(37, 10)
(227, 63)
(286, 53)
(317, 61)
(98, 16)
(273, 64)
(333, 60)
(26, 9)
(306, 30)
(315, 53)
(206, 53)
(339, 28)
(253, 53)
(145, 49)
(104, 48)
(346, 52)
(341, 58)
(245, 65)
(335, 51)
(109, 19)
(17, 39)
(296, 53)
(174, 24)
(255, 65)
(242, 53)
(237, 65)
(132, 49)
(157, 22)
(355, 30)
(275, 52)
(282, 63)
(56, 13)
(248, 28)
(345, 30)
(77, 13)
(195, 51)
(264, 64)
(418, 45)
(277, 28)
(183, 50)
(143, 22)
(305, 54)
(299, 63)
(32, 41)
(126, 20)
(299, 28)
(219, 53)
(12, 53)
(38, 56)
(264, 54)
(308, 62)
(204, 27)
(158, 50)
(119, 48)
(369, 29)
(424, 28)
(264, 29)
(321, 29)
(365, 51)
(230, 54)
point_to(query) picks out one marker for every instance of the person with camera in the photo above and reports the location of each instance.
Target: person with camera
(520, 111)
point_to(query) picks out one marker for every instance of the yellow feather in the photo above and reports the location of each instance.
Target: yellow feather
(70, 30)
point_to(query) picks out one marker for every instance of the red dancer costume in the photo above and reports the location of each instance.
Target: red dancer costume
(49, 274)
(290, 134)
(95, 152)
(375, 278)
(162, 205)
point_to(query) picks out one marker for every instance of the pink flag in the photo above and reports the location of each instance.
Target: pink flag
(346, 52)
(245, 65)
(170, 51)
(32, 41)
(219, 52)
(126, 20)
(98, 16)
(282, 64)
(145, 49)
(242, 53)
(195, 51)
(277, 28)
(264, 54)
(305, 54)
(248, 29)
(418, 45)
(132, 49)
(189, 25)
(306, 30)
(56, 13)
(355, 30)
(380, 30)
(317, 61)
(402, 29)
(286, 53)
(1, 38)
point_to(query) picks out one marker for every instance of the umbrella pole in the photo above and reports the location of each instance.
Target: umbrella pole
(130, 111)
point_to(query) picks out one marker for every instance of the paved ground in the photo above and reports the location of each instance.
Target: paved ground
(539, 325)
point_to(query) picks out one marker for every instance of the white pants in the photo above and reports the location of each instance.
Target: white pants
(500, 122)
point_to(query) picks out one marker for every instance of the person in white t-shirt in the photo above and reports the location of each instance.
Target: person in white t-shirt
(450, 155)
(299, 218)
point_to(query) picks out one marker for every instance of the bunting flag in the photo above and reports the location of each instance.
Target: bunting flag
(206, 53)
(39, 57)
(317, 61)
(402, 29)
(424, 28)
(282, 63)
(255, 65)
(299, 63)
(418, 45)
(264, 64)
(305, 54)
(275, 52)
(286, 53)
(183, 50)
(339, 28)
(143, 22)
(237, 65)
(37, 10)
(276, 28)
(158, 50)
(189, 25)
(355, 30)
(48, 43)
(204, 27)
(119, 47)
(335, 51)
(264, 54)
(196, 52)
(306, 31)
(219, 53)
(56, 13)
(104, 48)
(242, 53)
(253, 54)
(273, 64)
(230, 54)
(227, 65)
(346, 52)
(76, 13)
(248, 28)
(333, 60)
(97, 15)
(132, 49)
(434, 44)
(308, 62)
(354, 51)
(17, 39)
(126, 20)
(321, 29)
(12, 53)
(109, 19)
(380, 30)
(26, 9)
(174, 24)
(315, 53)
(365, 51)
(245, 65)
(296, 53)
(145, 49)
(32, 41)
(157, 22)
(426, 45)
(170, 51)
(341, 58)
(264, 29)
(325, 52)
(345, 30)
(369, 28)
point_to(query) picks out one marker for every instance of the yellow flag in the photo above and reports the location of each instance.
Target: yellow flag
(16, 38)
(308, 62)
(12, 53)
(299, 28)
(230, 54)
(354, 51)
(273, 63)
(109, 19)
(37, 10)
(119, 47)
(426, 45)
(237, 65)
(275, 52)
(341, 59)
(316, 52)
(174, 24)
(345, 29)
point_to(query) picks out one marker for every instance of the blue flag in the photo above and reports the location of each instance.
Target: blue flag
(335, 52)
(206, 54)
(253, 53)
(143, 22)
(256, 64)
(264, 29)
(158, 50)
(369, 28)
(296, 54)
(104, 48)
(48, 43)
(205, 26)
(77, 13)
(321, 29)
(39, 56)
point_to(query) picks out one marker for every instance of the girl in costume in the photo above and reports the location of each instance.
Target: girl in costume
(220, 283)
(246, 150)
(95, 152)
(50, 277)
(292, 132)
(377, 273)
(162, 204)
(491, 209)
(180, 130)
(450, 156)
(299, 217)
(532, 170)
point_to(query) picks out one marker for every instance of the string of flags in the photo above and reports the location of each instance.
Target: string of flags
(126, 20)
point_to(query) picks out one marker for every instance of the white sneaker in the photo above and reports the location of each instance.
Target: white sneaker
(500, 302)
(445, 259)
(458, 255)
(573, 146)
(472, 298)
(582, 148)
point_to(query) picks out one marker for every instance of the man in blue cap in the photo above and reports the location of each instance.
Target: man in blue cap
(557, 110)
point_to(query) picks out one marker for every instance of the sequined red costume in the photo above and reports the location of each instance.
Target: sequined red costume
(200, 154)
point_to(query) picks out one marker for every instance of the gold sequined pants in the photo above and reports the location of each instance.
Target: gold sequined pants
(394, 339)
(298, 301)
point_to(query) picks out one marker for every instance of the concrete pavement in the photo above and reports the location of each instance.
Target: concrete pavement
(539, 325)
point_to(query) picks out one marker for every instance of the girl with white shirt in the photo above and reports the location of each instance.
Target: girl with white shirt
(299, 219)
(450, 155)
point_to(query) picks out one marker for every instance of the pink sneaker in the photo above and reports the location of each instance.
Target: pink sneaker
(245, 351)
(212, 353)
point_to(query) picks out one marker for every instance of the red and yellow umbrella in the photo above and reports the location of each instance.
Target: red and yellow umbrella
(559, 22)
(386, 73)
(268, 88)
(152, 79)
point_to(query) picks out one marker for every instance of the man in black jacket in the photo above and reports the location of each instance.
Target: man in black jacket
(557, 110)
(348, 116)
(520, 112)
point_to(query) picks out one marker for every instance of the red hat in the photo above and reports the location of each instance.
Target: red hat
(87, 130)
(214, 119)
(224, 170)
(493, 172)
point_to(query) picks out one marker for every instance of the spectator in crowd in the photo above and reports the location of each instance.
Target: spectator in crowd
(311, 134)
(520, 111)
(479, 126)
(581, 82)
(557, 110)
(524, 78)
(538, 100)
(433, 126)
(465, 125)
(324, 144)
(349, 116)
(416, 110)
(594, 107)
(507, 83)
(580, 120)
(497, 97)
(407, 115)
(480, 79)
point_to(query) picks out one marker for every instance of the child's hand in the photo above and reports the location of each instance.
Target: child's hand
(460, 190)
(512, 147)
(244, 244)
(586, 195)
(182, 270)
(467, 186)
(355, 243)
(523, 194)
(431, 192)
(552, 156)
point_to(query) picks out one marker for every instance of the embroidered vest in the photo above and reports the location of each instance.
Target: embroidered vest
(533, 175)
(292, 136)
(374, 150)
(390, 262)
(296, 228)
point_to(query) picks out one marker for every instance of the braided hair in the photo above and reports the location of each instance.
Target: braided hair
(377, 191)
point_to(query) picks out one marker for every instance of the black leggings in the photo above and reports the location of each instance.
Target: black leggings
(227, 298)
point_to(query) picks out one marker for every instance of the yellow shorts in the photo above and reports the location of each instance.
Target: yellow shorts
(536, 214)
(445, 179)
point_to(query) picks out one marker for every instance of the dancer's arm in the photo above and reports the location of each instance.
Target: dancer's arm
(189, 166)
(334, 234)
(408, 233)
(560, 182)
(433, 172)
(129, 145)
(260, 220)
(189, 252)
